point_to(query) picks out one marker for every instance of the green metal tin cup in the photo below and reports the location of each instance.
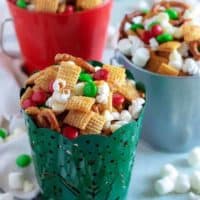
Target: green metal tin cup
(91, 167)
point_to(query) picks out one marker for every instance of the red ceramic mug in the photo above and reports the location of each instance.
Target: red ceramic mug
(42, 35)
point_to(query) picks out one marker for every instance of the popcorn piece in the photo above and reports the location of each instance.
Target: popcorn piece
(141, 57)
(176, 60)
(136, 107)
(59, 85)
(195, 181)
(6, 196)
(182, 184)
(103, 93)
(28, 186)
(194, 157)
(169, 170)
(124, 45)
(136, 43)
(191, 67)
(154, 44)
(58, 107)
(61, 97)
(117, 125)
(16, 180)
(164, 186)
(138, 19)
(125, 116)
(115, 115)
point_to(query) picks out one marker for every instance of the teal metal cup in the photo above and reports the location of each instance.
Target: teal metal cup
(172, 115)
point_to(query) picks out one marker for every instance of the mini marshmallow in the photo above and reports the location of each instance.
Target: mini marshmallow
(78, 89)
(125, 116)
(138, 19)
(28, 186)
(61, 97)
(154, 44)
(6, 196)
(141, 57)
(169, 170)
(136, 43)
(191, 66)
(136, 107)
(117, 125)
(193, 196)
(16, 180)
(59, 84)
(124, 46)
(168, 27)
(115, 115)
(164, 186)
(176, 60)
(162, 17)
(58, 107)
(108, 116)
(104, 92)
(178, 32)
(182, 183)
(194, 157)
(195, 181)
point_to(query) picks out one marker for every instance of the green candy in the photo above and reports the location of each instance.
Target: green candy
(21, 3)
(135, 26)
(23, 161)
(3, 133)
(85, 77)
(152, 24)
(90, 89)
(165, 37)
(173, 14)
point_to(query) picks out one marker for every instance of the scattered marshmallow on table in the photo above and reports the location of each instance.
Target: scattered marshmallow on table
(195, 181)
(182, 183)
(6, 196)
(141, 57)
(164, 186)
(194, 157)
(169, 170)
(16, 180)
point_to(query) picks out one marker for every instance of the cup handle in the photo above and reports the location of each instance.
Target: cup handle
(2, 46)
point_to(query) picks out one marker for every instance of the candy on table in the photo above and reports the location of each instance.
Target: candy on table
(167, 31)
(182, 183)
(169, 170)
(194, 157)
(79, 97)
(195, 181)
(23, 161)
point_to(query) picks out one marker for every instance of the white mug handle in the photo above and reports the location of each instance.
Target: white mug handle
(2, 46)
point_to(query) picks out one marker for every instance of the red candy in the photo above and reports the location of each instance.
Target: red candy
(69, 9)
(39, 97)
(70, 132)
(27, 103)
(146, 36)
(156, 30)
(51, 90)
(101, 74)
(118, 99)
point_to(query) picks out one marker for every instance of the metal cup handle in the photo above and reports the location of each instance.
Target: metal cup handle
(2, 46)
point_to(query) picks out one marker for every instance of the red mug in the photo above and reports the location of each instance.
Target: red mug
(42, 35)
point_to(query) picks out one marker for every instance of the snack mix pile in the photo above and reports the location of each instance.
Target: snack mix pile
(164, 40)
(57, 6)
(75, 98)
